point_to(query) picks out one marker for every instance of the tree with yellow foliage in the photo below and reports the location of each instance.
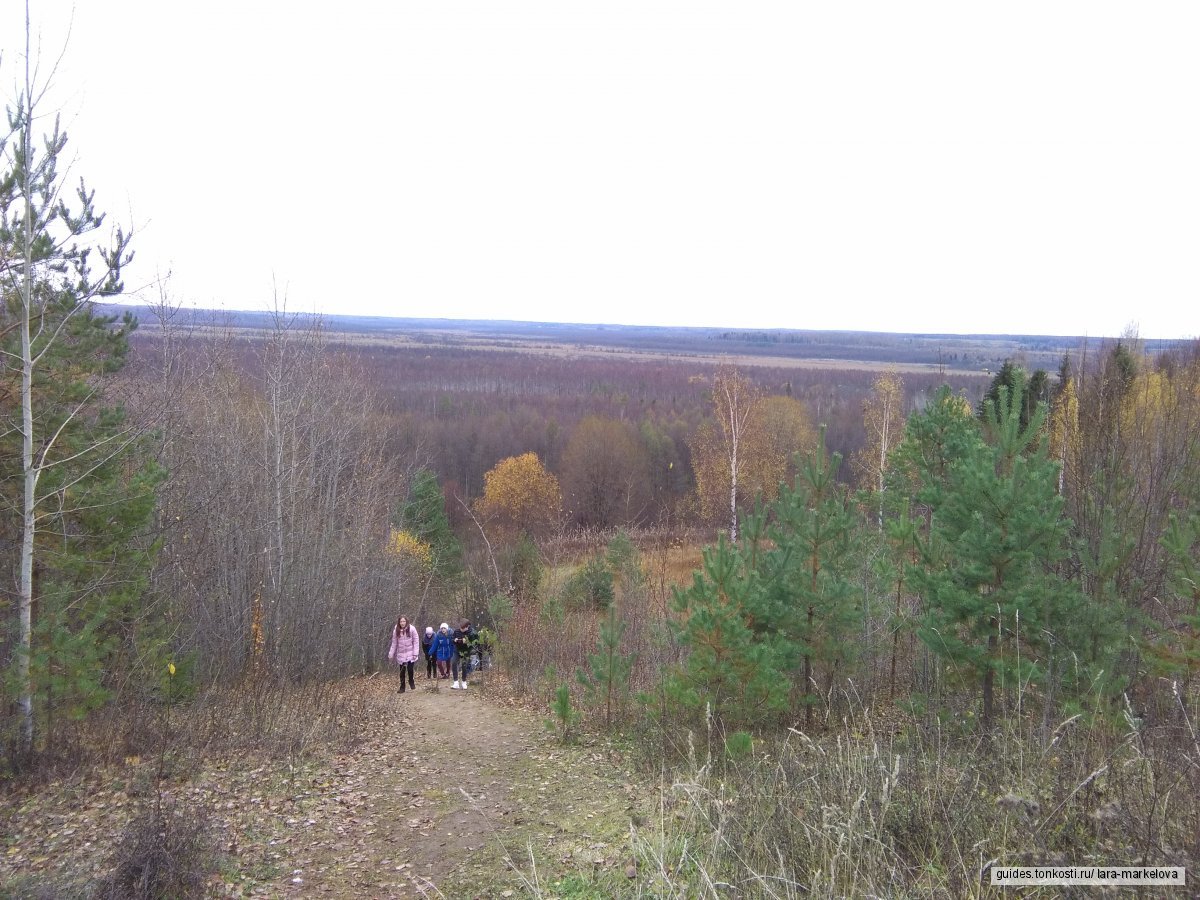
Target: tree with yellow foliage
(519, 494)
(787, 431)
(747, 450)
(405, 545)
(883, 418)
(1064, 423)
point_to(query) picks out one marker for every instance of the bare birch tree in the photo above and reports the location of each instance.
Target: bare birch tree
(883, 419)
(724, 456)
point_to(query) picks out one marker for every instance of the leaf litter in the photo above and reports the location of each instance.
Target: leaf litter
(452, 794)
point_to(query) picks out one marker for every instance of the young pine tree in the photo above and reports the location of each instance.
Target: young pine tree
(737, 664)
(564, 715)
(819, 609)
(987, 575)
(606, 679)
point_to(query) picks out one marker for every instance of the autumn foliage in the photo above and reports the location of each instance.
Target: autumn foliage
(883, 421)
(746, 450)
(519, 493)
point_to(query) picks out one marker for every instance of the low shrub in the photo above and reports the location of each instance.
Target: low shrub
(166, 851)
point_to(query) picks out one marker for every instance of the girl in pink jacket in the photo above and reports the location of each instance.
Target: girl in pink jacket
(406, 647)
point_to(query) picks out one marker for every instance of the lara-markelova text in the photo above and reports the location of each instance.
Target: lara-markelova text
(1088, 875)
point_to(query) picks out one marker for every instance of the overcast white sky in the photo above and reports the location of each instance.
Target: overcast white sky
(1028, 167)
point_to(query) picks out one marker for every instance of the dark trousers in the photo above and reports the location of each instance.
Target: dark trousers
(430, 667)
(458, 663)
(406, 671)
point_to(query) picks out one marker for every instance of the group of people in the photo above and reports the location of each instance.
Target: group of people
(447, 653)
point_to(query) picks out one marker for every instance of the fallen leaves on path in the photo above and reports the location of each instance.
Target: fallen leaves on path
(449, 792)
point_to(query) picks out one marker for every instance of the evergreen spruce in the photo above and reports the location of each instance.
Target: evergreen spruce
(1029, 390)
(423, 515)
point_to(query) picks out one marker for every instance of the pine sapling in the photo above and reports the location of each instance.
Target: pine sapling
(564, 714)
(606, 679)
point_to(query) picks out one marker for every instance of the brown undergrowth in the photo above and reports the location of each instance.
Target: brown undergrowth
(866, 808)
(436, 792)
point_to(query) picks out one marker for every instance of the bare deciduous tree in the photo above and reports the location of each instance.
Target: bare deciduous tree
(282, 493)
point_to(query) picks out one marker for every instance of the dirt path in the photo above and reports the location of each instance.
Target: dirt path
(450, 795)
(453, 794)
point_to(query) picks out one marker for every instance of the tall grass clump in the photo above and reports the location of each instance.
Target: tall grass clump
(881, 808)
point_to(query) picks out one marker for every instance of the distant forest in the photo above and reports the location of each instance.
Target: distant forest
(461, 397)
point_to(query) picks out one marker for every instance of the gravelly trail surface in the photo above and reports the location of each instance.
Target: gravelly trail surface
(447, 793)
(458, 796)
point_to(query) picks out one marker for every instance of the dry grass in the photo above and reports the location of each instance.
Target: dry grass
(262, 715)
(866, 812)
(166, 850)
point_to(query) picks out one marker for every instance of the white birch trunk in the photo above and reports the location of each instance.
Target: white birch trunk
(28, 511)
(738, 406)
(29, 499)
(731, 402)
(883, 452)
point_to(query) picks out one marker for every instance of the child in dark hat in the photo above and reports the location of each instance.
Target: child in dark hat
(427, 651)
(465, 638)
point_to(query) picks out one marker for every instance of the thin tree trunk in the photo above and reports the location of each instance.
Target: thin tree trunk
(989, 684)
(275, 449)
(896, 638)
(29, 500)
(808, 675)
(487, 543)
(883, 452)
(29, 524)
(733, 470)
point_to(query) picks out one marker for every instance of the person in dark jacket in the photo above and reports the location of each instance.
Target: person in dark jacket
(427, 652)
(465, 639)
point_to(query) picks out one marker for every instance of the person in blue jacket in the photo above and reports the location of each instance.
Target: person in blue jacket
(442, 649)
